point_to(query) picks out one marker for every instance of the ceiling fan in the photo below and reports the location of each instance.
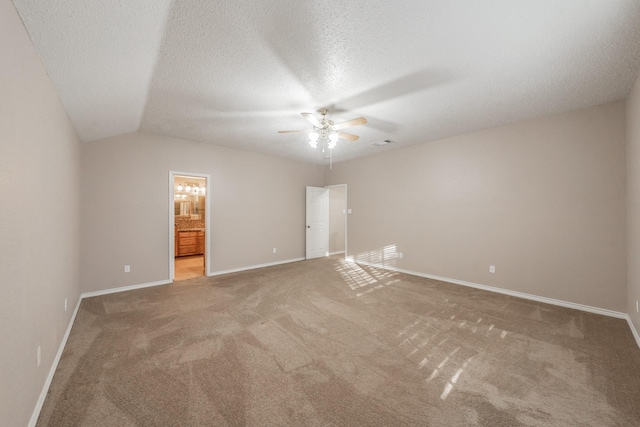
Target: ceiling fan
(326, 132)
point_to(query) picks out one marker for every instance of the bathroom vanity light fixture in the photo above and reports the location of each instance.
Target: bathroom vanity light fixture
(183, 190)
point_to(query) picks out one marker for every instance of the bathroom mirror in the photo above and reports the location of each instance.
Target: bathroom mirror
(192, 208)
(189, 193)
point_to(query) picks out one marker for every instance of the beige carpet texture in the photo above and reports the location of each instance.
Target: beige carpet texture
(330, 343)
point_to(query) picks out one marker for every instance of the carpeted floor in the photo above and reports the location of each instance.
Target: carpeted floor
(328, 343)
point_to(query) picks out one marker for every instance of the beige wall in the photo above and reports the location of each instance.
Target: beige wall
(39, 216)
(337, 218)
(633, 204)
(257, 203)
(542, 200)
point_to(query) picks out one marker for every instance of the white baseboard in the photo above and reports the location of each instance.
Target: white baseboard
(166, 282)
(45, 388)
(561, 303)
(251, 267)
(335, 253)
(552, 301)
(54, 366)
(633, 330)
(125, 288)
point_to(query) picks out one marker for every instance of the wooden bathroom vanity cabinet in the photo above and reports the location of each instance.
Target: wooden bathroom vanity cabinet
(189, 242)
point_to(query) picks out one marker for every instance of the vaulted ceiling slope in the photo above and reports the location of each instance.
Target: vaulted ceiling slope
(234, 72)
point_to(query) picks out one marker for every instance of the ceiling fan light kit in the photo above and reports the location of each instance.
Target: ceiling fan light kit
(313, 139)
(330, 139)
(325, 132)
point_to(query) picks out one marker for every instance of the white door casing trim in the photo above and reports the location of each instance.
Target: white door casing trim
(346, 217)
(207, 234)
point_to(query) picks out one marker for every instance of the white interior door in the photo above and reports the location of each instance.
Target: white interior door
(317, 222)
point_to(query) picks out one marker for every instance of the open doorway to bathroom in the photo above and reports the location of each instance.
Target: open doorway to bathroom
(188, 225)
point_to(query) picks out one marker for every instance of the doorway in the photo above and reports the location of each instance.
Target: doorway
(188, 225)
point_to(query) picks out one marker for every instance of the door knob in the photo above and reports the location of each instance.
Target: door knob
(308, 226)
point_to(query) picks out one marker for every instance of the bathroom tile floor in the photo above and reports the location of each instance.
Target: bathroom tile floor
(189, 267)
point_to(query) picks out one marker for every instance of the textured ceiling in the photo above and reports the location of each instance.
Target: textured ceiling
(234, 72)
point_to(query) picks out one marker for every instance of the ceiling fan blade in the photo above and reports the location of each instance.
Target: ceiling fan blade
(349, 136)
(312, 119)
(293, 131)
(350, 123)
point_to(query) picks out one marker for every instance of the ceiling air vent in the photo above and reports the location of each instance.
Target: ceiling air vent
(381, 143)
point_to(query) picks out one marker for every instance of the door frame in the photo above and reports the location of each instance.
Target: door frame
(207, 227)
(346, 213)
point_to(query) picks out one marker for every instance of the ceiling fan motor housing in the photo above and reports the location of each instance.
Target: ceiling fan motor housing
(325, 130)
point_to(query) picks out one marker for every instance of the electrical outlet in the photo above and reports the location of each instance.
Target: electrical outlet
(274, 250)
(400, 255)
(127, 269)
(38, 356)
(65, 304)
(637, 306)
(492, 269)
